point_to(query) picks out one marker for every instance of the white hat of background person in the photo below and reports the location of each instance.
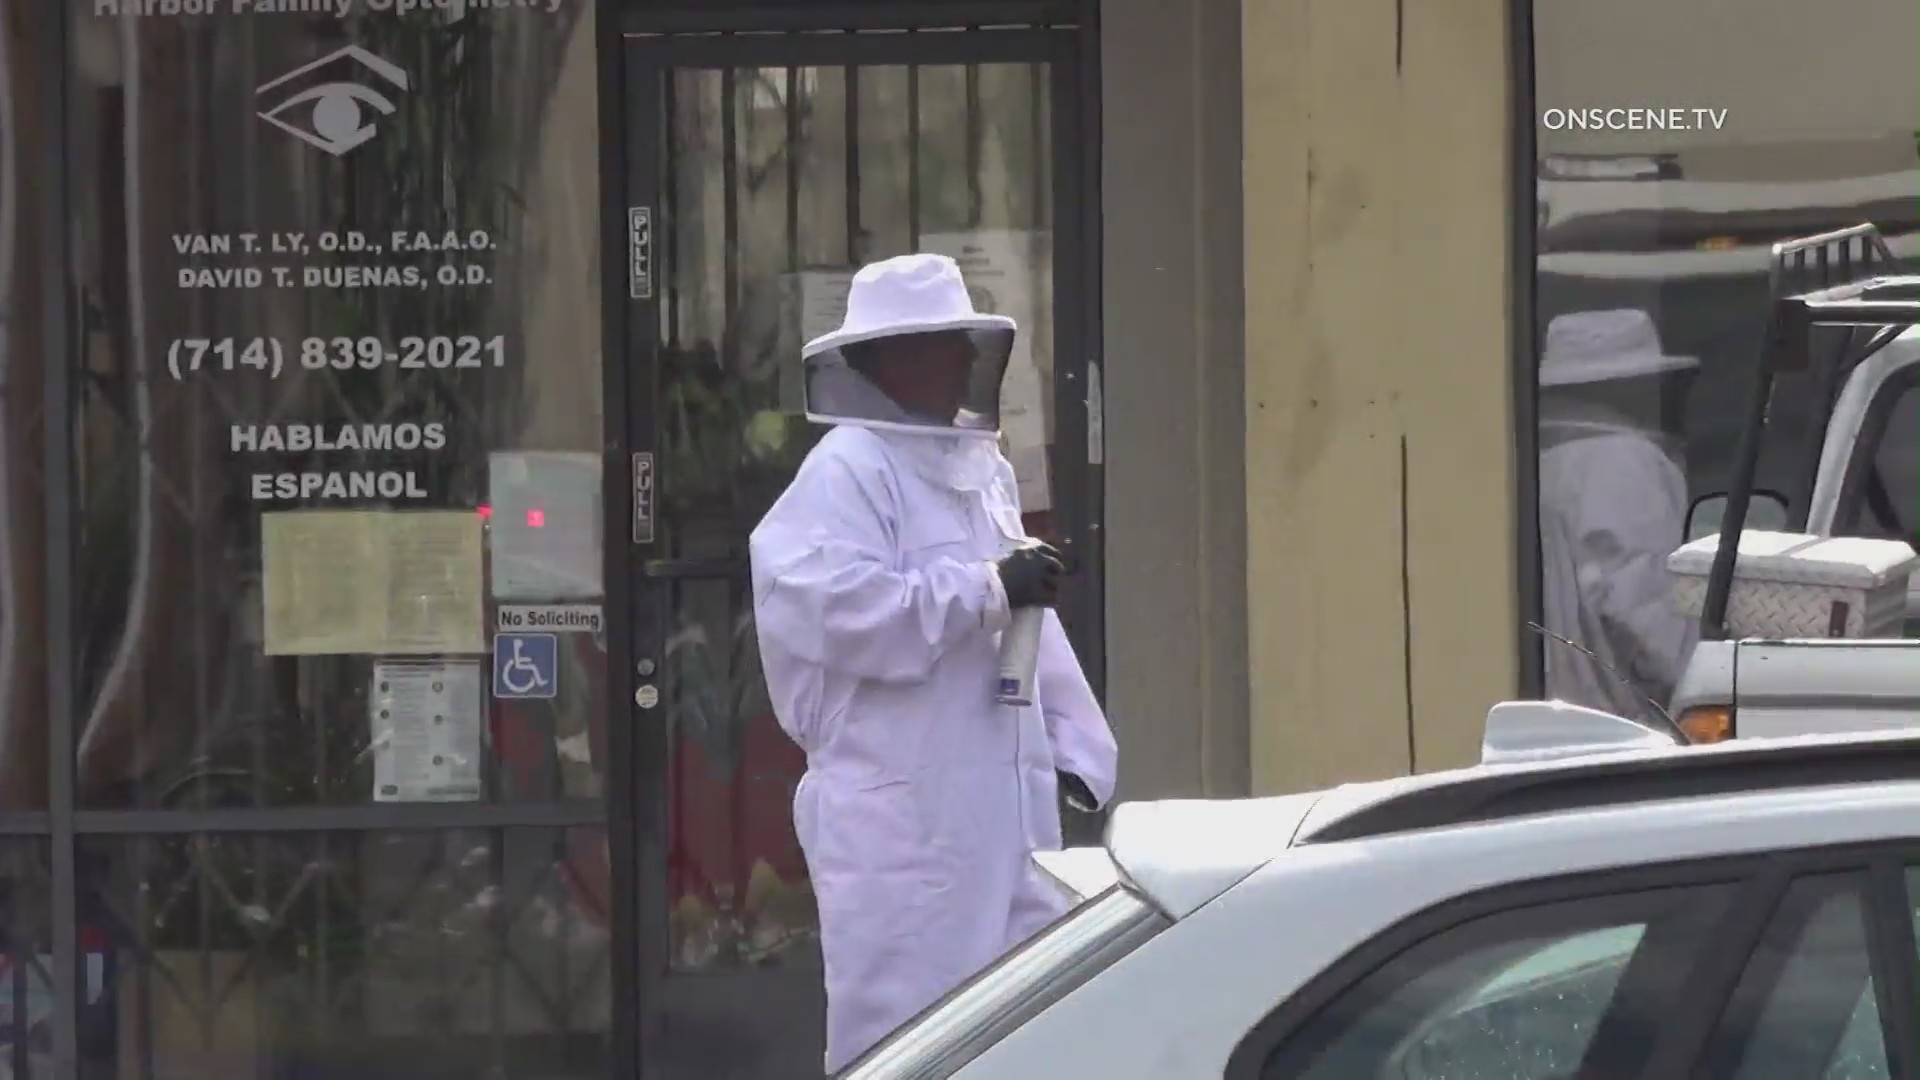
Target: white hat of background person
(1601, 346)
(907, 294)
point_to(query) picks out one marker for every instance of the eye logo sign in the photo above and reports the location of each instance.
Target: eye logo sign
(334, 117)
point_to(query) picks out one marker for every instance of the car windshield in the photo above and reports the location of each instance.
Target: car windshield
(1076, 947)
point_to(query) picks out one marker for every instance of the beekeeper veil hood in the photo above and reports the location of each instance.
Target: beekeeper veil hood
(912, 355)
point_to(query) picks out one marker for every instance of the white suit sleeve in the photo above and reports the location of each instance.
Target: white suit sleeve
(1631, 516)
(1082, 741)
(826, 587)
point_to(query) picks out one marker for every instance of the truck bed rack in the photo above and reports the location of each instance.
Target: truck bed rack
(1833, 281)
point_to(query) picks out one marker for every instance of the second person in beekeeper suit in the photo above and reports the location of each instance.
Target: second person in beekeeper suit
(1613, 506)
(882, 579)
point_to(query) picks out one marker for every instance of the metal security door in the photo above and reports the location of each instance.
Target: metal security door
(762, 168)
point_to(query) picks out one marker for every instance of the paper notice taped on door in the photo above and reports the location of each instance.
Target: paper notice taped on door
(1007, 272)
(398, 582)
(424, 725)
(545, 527)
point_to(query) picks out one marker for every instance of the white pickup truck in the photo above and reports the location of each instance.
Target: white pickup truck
(1864, 481)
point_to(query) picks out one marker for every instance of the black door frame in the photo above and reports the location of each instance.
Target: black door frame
(637, 50)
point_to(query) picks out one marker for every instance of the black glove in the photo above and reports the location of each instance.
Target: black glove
(1031, 576)
(1077, 793)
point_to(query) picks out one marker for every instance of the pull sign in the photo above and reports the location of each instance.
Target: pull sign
(640, 252)
(642, 498)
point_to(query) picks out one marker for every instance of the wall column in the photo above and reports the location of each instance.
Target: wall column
(1379, 472)
(1171, 322)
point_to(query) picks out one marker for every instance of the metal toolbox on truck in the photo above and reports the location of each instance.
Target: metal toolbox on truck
(1791, 585)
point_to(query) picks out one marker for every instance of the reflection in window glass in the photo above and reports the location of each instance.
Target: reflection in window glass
(1529, 1008)
(1521, 995)
(1613, 505)
(1653, 241)
(336, 402)
(1862, 1053)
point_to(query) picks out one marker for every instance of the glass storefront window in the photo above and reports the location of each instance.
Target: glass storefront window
(328, 428)
(1672, 154)
(338, 410)
(336, 469)
(399, 953)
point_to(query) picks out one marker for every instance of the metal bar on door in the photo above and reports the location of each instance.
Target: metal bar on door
(354, 817)
(914, 194)
(795, 135)
(975, 136)
(852, 171)
(61, 534)
(618, 135)
(1020, 45)
(1078, 442)
(653, 101)
(772, 18)
(729, 342)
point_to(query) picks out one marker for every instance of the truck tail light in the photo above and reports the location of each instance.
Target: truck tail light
(1708, 723)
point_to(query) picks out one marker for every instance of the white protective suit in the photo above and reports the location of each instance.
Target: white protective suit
(879, 611)
(1613, 506)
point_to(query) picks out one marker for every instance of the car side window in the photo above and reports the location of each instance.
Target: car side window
(1523, 995)
(1805, 1005)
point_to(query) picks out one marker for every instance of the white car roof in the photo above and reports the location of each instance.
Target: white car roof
(1182, 854)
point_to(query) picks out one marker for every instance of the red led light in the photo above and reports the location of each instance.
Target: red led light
(486, 512)
(536, 518)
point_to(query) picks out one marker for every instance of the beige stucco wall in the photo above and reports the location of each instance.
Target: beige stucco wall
(1379, 481)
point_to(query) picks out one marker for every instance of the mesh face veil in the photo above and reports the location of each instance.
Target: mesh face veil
(912, 354)
(935, 381)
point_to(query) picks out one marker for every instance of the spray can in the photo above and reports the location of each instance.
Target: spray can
(1020, 656)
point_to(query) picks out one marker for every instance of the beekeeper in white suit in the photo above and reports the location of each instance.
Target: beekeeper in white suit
(1613, 506)
(882, 579)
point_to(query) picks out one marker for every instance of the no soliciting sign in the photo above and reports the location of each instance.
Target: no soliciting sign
(551, 618)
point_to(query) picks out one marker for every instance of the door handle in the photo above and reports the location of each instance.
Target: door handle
(696, 568)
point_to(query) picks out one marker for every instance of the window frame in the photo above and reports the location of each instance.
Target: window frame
(999, 999)
(1754, 885)
(1865, 452)
(1894, 933)
(1740, 1018)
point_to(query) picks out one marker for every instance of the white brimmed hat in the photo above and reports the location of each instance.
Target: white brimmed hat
(909, 294)
(1602, 346)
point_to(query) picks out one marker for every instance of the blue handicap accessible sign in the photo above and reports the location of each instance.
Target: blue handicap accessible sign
(526, 665)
